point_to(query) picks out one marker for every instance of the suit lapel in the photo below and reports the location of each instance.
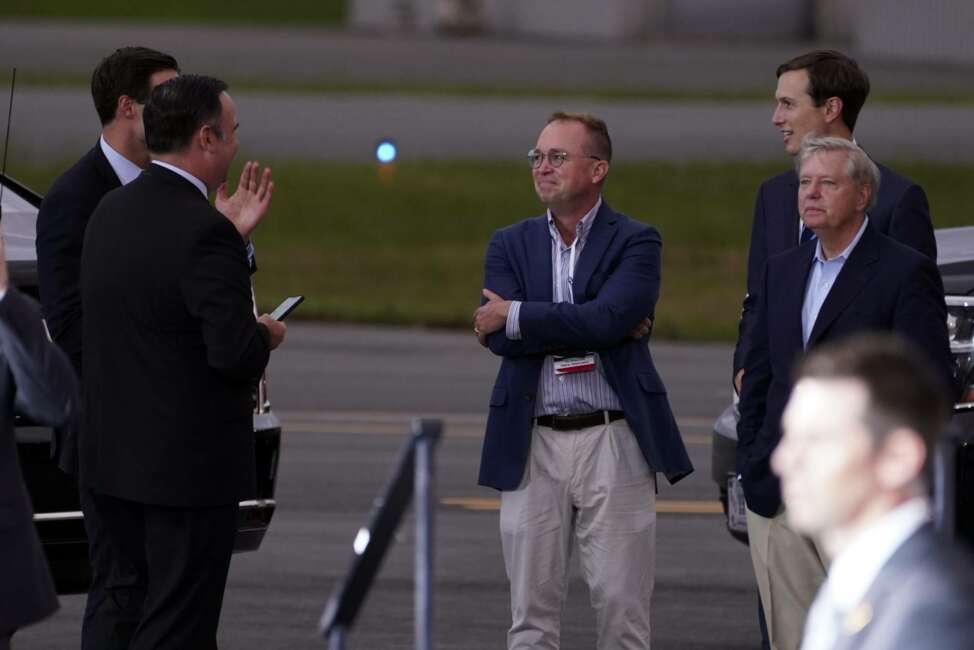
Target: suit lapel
(856, 622)
(789, 209)
(104, 167)
(795, 280)
(539, 276)
(603, 230)
(856, 273)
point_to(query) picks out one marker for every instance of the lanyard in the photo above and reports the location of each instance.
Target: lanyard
(560, 293)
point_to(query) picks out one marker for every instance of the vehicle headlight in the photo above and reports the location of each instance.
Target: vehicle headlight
(960, 332)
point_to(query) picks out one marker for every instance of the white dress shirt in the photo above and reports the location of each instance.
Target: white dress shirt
(126, 170)
(856, 568)
(200, 185)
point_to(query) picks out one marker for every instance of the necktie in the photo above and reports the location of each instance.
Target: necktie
(807, 235)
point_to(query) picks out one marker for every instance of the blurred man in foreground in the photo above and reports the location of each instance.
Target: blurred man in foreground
(37, 377)
(854, 462)
(172, 352)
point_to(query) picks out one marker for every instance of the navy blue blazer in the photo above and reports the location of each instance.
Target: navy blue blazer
(884, 286)
(616, 284)
(901, 212)
(61, 223)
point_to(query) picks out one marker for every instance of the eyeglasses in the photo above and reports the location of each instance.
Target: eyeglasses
(555, 157)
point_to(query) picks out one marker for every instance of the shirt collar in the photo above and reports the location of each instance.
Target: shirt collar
(581, 230)
(126, 170)
(844, 255)
(855, 569)
(185, 174)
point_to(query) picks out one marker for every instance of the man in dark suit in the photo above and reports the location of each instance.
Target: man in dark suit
(36, 377)
(579, 421)
(859, 433)
(120, 86)
(849, 279)
(822, 93)
(172, 351)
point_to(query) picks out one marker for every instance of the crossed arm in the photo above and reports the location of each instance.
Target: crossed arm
(618, 311)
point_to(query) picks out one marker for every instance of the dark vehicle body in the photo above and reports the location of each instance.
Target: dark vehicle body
(955, 259)
(57, 513)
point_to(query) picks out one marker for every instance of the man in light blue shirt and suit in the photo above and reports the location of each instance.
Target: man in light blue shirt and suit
(849, 279)
(579, 421)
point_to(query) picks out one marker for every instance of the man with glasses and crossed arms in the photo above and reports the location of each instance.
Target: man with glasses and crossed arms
(579, 420)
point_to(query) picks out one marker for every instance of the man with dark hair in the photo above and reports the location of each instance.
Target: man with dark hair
(850, 279)
(120, 86)
(854, 463)
(172, 350)
(821, 93)
(579, 421)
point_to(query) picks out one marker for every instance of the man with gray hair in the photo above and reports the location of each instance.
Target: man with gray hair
(848, 280)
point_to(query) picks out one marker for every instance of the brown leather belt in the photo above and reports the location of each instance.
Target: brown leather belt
(580, 421)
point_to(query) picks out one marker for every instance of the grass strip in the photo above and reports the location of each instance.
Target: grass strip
(405, 245)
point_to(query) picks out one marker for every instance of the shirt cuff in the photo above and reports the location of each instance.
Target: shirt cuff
(250, 253)
(513, 330)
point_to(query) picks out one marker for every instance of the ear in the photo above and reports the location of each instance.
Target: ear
(206, 136)
(900, 461)
(833, 109)
(126, 108)
(600, 170)
(864, 194)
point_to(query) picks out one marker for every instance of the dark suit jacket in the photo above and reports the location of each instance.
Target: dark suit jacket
(171, 347)
(616, 285)
(884, 286)
(901, 212)
(922, 599)
(61, 223)
(36, 377)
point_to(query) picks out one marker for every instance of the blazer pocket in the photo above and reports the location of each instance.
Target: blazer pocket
(651, 382)
(498, 397)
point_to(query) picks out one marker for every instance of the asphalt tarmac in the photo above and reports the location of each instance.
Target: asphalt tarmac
(58, 125)
(346, 395)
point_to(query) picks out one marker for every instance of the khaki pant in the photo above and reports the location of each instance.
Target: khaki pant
(593, 488)
(789, 568)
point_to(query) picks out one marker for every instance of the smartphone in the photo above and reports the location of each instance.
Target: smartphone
(286, 307)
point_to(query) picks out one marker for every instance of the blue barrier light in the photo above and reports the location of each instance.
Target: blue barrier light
(386, 152)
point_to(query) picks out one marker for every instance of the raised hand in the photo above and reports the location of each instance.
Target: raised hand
(248, 205)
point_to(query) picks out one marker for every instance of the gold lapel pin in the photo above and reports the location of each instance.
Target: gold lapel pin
(857, 618)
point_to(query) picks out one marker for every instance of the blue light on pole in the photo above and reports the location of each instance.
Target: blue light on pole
(386, 152)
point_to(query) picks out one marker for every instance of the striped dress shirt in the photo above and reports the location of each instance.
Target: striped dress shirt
(574, 393)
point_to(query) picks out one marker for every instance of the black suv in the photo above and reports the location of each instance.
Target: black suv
(57, 513)
(955, 259)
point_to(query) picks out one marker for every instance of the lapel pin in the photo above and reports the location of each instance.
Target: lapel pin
(857, 618)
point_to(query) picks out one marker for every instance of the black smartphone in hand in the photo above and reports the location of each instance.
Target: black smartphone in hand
(286, 307)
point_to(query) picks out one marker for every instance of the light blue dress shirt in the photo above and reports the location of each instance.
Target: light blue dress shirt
(820, 281)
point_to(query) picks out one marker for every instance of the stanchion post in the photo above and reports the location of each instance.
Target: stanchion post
(426, 433)
(336, 638)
